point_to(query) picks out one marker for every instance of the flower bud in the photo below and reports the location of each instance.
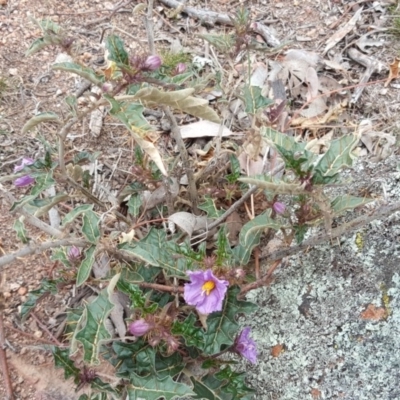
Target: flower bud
(152, 63)
(107, 87)
(180, 69)
(140, 327)
(74, 254)
(25, 180)
(278, 207)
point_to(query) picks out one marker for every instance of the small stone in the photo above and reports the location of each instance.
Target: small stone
(38, 334)
(22, 290)
(6, 295)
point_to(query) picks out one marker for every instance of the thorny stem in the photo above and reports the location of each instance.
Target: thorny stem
(356, 223)
(33, 248)
(163, 288)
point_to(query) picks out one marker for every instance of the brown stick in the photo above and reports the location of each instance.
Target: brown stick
(3, 361)
(44, 327)
(162, 288)
(193, 196)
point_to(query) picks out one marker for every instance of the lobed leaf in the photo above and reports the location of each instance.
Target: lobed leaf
(90, 227)
(86, 266)
(91, 330)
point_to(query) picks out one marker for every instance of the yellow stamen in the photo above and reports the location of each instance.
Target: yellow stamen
(208, 287)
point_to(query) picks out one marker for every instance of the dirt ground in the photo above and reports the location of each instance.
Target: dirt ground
(28, 85)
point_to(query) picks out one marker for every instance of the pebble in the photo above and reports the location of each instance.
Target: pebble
(22, 290)
(38, 334)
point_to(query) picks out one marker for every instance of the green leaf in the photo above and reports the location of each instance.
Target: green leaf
(59, 254)
(72, 103)
(43, 182)
(152, 388)
(48, 203)
(223, 43)
(94, 332)
(157, 250)
(338, 156)
(115, 46)
(275, 186)
(86, 266)
(256, 225)
(75, 213)
(130, 114)
(209, 390)
(254, 100)
(22, 202)
(84, 156)
(90, 227)
(273, 137)
(47, 286)
(19, 227)
(210, 208)
(222, 327)
(235, 168)
(181, 100)
(193, 335)
(137, 297)
(223, 250)
(168, 366)
(62, 360)
(242, 253)
(134, 205)
(38, 119)
(235, 384)
(300, 232)
(80, 70)
(347, 202)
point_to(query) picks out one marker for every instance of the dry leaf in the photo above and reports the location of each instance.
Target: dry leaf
(203, 128)
(393, 71)
(276, 350)
(372, 313)
(343, 31)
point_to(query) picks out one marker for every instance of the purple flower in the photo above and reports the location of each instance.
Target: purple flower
(245, 346)
(180, 69)
(25, 180)
(140, 327)
(74, 254)
(205, 291)
(152, 63)
(25, 161)
(279, 207)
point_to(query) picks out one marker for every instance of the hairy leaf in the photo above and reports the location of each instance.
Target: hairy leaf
(90, 227)
(43, 182)
(75, 213)
(38, 119)
(86, 266)
(153, 388)
(222, 326)
(47, 286)
(92, 331)
(254, 100)
(348, 202)
(180, 100)
(62, 360)
(193, 335)
(19, 227)
(210, 208)
(115, 46)
(131, 116)
(338, 156)
(80, 70)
